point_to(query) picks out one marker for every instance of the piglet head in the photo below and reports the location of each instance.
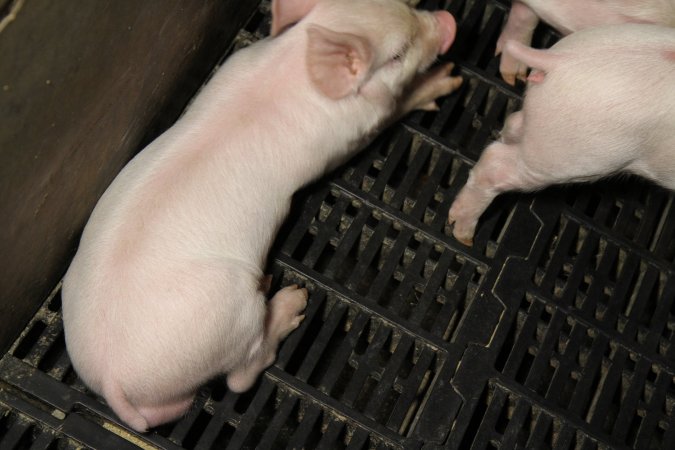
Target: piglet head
(357, 45)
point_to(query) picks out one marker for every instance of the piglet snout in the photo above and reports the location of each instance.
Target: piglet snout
(447, 28)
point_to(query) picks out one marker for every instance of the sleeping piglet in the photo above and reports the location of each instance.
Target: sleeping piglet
(601, 101)
(164, 292)
(568, 16)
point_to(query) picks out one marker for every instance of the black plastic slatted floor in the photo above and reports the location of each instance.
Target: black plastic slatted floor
(555, 330)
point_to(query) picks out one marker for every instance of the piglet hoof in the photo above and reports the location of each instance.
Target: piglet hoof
(441, 80)
(463, 234)
(285, 310)
(511, 69)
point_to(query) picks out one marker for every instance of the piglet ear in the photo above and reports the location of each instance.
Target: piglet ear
(287, 12)
(338, 63)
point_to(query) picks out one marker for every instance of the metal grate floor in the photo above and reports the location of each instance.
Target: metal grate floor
(555, 330)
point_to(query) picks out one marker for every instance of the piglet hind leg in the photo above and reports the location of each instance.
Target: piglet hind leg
(498, 170)
(519, 27)
(283, 316)
(144, 416)
(157, 415)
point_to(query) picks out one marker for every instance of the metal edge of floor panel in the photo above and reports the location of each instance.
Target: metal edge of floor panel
(555, 330)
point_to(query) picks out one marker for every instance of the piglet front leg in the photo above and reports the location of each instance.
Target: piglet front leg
(429, 86)
(490, 176)
(426, 87)
(499, 169)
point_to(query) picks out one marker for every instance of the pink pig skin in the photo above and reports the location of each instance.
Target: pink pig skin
(604, 104)
(164, 291)
(568, 16)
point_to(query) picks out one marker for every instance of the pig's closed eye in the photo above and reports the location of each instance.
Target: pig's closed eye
(399, 55)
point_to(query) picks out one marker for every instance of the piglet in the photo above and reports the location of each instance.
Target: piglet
(164, 292)
(601, 101)
(568, 16)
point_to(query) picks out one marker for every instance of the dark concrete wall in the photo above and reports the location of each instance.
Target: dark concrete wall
(83, 85)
